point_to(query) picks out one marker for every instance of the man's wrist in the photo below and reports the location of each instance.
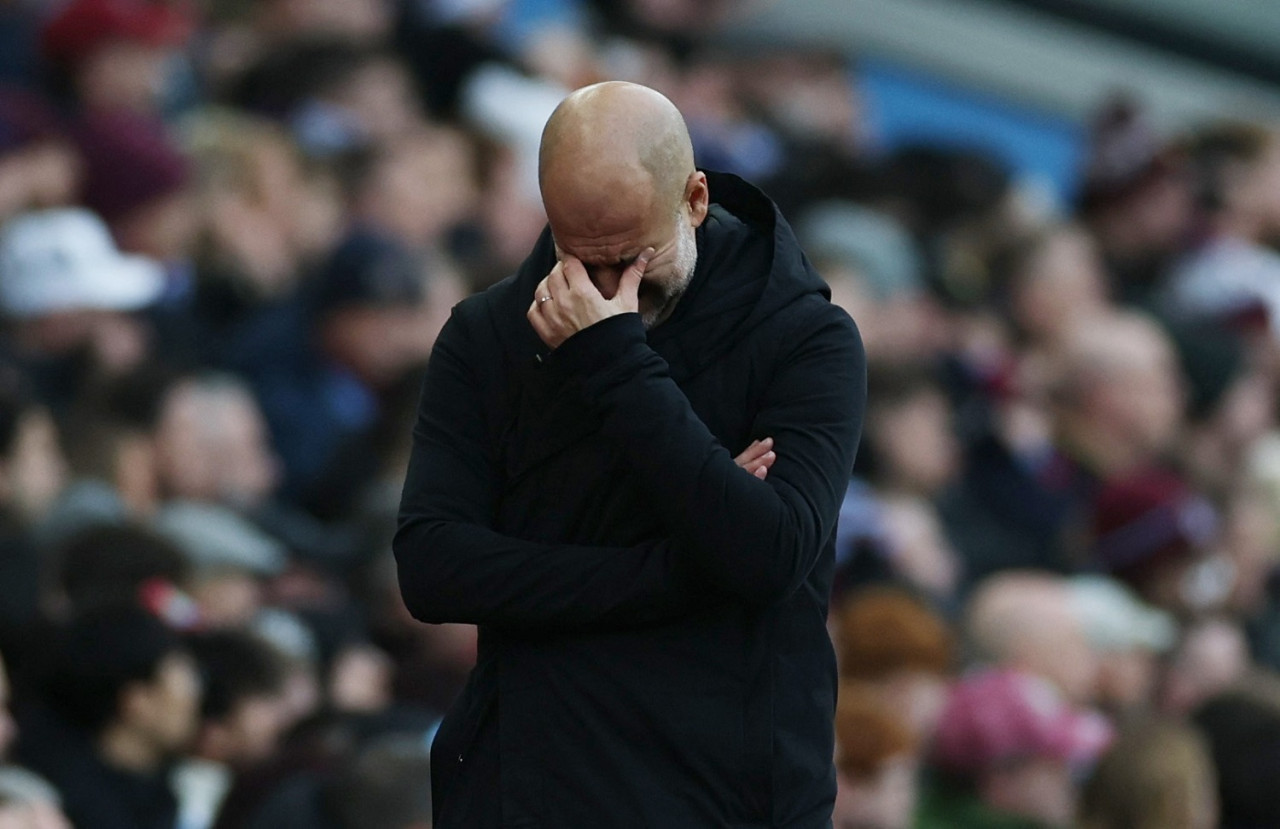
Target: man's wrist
(597, 346)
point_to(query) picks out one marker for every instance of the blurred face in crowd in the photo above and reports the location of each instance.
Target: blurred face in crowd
(380, 95)
(250, 733)
(249, 469)
(227, 597)
(164, 229)
(212, 444)
(1253, 193)
(123, 74)
(256, 215)
(44, 174)
(421, 187)
(1062, 280)
(510, 213)
(915, 442)
(381, 343)
(164, 711)
(1027, 620)
(1153, 221)
(1217, 446)
(1212, 656)
(33, 474)
(918, 697)
(187, 465)
(1252, 528)
(1125, 397)
(1127, 679)
(360, 679)
(1144, 394)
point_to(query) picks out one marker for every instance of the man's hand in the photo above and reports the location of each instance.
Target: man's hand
(757, 458)
(567, 301)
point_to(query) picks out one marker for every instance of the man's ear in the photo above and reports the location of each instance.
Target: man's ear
(697, 197)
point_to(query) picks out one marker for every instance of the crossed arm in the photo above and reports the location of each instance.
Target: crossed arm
(754, 539)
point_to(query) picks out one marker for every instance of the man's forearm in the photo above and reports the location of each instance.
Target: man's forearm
(756, 539)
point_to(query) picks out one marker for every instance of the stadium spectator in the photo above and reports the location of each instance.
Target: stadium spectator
(211, 443)
(1128, 638)
(1228, 274)
(39, 167)
(112, 55)
(242, 717)
(876, 274)
(230, 560)
(877, 763)
(1137, 197)
(1027, 621)
(1155, 534)
(106, 565)
(899, 650)
(1242, 727)
(122, 698)
(1210, 658)
(321, 367)
(33, 472)
(1009, 750)
(1156, 775)
(67, 292)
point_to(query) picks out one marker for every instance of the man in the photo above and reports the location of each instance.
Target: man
(1027, 620)
(121, 700)
(242, 716)
(1009, 754)
(653, 649)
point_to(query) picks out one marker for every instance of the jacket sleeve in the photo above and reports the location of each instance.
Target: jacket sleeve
(453, 567)
(757, 540)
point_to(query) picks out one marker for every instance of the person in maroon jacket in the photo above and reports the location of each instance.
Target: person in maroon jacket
(653, 647)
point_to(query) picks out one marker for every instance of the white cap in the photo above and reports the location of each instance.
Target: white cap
(65, 260)
(1114, 619)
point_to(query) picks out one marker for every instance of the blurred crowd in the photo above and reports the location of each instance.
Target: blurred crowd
(230, 231)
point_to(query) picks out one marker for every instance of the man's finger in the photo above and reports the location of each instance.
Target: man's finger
(761, 472)
(540, 325)
(575, 276)
(629, 284)
(558, 279)
(543, 289)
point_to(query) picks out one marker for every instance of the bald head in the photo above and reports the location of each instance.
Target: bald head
(1106, 345)
(612, 138)
(1026, 619)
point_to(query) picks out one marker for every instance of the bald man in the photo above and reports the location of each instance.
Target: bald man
(626, 470)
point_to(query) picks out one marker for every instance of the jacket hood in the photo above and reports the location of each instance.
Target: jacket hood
(750, 266)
